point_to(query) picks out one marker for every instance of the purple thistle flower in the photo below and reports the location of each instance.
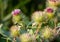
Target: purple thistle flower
(49, 10)
(16, 11)
(53, 0)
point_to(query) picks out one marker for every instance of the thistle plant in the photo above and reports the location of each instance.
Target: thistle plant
(44, 26)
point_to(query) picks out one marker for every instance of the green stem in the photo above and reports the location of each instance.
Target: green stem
(7, 17)
(7, 40)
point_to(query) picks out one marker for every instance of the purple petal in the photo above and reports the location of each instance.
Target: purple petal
(50, 10)
(53, 0)
(16, 11)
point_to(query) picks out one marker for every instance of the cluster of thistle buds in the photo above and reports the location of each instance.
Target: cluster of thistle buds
(38, 18)
(48, 13)
(15, 29)
(44, 16)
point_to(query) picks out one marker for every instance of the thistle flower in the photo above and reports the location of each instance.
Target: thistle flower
(16, 16)
(26, 37)
(49, 12)
(37, 16)
(53, 3)
(16, 12)
(47, 33)
(14, 31)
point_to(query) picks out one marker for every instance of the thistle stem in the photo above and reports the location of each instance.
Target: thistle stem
(38, 28)
(7, 40)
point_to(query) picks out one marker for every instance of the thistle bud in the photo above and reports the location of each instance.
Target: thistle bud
(49, 12)
(26, 37)
(37, 16)
(16, 16)
(47, 33)
(14, 30)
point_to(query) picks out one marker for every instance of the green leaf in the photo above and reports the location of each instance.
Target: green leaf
(51, 23)
(58, 25)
